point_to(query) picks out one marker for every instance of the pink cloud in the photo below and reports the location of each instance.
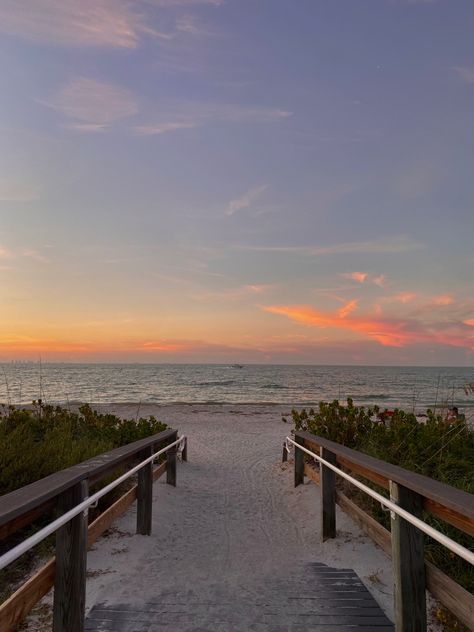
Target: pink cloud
(394, 332)
(360, 277)
(347, 309)
(380, 280)
(92, 105)
(405, 297)
(110, 23)
(443, 299)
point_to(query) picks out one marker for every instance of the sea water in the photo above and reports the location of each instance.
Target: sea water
(411, 388)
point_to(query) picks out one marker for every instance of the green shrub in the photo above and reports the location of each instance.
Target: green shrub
(38, 442)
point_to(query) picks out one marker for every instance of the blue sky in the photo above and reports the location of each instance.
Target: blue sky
(192, 180)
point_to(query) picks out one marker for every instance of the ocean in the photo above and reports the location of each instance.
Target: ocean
(410, 388)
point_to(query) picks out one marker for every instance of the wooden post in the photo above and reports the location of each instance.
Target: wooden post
(171, 466)
(184, 453)
(71, 559)
(284, 457)
(299, 463)
(328, 495)
(408, 563)
(145, 493)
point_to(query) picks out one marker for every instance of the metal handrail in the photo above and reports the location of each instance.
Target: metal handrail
(14, 553)
(450, 544)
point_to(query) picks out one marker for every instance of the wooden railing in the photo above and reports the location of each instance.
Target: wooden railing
(405, 543)
(62, 491)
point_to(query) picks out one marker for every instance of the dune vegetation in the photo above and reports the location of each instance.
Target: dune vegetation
(435, 448)
(42, 439)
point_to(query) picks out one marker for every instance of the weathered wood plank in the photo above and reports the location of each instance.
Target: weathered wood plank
(299, 464)
(71, 561)
(29, 497)
(328, 495)
(159, 471)
(145, 494)
(456, 518)
(171, 466)
(408, 563)
(363, 471)
(20, 522)
(184, 452)
(311, 472)
(18, 605)
(451, 595)
(374, 529)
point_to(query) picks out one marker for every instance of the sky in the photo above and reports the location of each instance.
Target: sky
(268, 181)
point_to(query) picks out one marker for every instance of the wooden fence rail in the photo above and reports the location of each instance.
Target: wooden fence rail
(405, 543)
(61, 491)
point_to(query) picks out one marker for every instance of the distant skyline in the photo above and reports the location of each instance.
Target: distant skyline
(263, 181)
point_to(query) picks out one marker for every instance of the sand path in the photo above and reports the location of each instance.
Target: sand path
(233, 536)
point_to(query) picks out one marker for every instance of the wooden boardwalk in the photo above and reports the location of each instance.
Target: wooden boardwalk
(322, 598)
(234, 548)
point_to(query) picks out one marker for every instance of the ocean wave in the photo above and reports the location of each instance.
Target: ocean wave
(275, 387)
(217, 383)
(372, 396)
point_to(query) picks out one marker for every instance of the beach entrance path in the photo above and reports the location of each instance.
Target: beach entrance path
(234, 546)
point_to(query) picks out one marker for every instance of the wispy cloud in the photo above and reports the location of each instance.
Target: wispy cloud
(103, 23)
(188, 24)
(168, 4)
(12, 191)
(91, 105)
(405, 297)
(443, 299)
(243, 114)
(29, 253)
(360, 277)
(161, 128)
(465, 73)
(347, 309)
(245, 200)
(380, 280)
(396, 244)
(384, 245)
(112, 23)
(87, 127)
(240, 293)
(176, 115)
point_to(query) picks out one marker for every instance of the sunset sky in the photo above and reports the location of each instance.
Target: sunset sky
(286, 181)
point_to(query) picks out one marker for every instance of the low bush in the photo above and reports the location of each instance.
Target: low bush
(39, 441)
